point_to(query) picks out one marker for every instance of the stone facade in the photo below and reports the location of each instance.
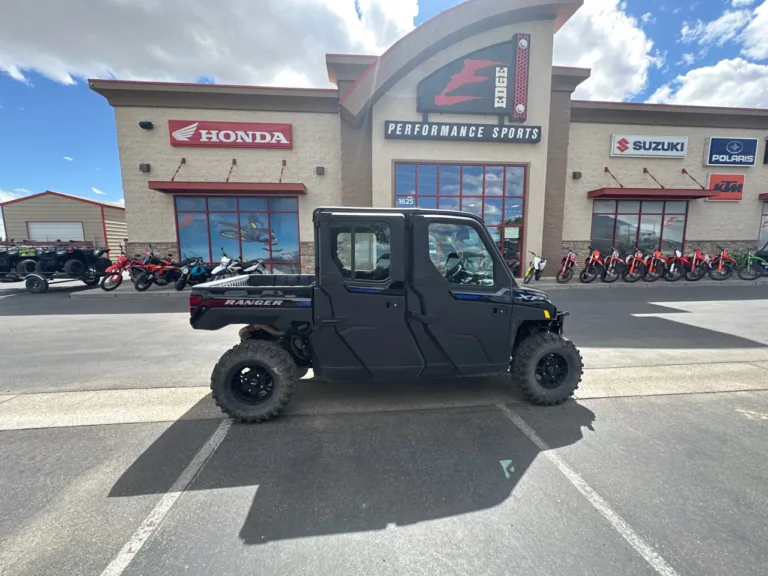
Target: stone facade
(307, 257)
(160, 248)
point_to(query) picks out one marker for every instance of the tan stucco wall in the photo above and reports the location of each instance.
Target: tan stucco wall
(150, 214)
(590, 152)
(400, 104)
(50, 208)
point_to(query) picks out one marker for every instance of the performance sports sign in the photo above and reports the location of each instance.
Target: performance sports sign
(457, 131)
(731, 152)
(649, 146)
(230, 134)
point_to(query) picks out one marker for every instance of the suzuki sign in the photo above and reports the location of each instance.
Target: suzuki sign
(649, 146)
(230, 134)
(731, 152)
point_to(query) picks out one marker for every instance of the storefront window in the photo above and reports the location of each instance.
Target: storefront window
(496, 193)
(244, 227)
(763, 237)
(646, 224)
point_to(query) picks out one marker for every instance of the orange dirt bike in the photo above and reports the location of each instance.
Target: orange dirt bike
(613, 267)
(636, 267)
(593, 267)
(655, 266)
(699, 265)
(566, 268)
(722, 266)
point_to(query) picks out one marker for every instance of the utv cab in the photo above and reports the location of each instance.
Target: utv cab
(397, 294)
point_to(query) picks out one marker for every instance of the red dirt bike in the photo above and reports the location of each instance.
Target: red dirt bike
(114, 274)
(566, 268)
(655, 266)
(613, 266)
(722, 266)
(593, 267)
(676, 266)
(699, 265)
(636, 267)
(157, 271)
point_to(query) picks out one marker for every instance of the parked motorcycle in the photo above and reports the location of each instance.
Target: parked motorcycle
(613, 266)
(114, 273)
(229, 267)
(655, 266)
(699, 266)
(593, 267)
(194, 272)
(566, 269)
(636, 268)
(535, 266)
(722, 266)
(157, 271)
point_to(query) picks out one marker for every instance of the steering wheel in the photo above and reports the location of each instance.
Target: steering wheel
(453, 271)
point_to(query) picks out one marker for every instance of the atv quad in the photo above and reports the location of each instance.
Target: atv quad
(386, 304)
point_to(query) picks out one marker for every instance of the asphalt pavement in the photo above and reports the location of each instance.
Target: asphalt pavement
(115, 461)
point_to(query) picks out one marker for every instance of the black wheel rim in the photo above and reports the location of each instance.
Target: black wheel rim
(252, 385)
(552, 371)
(35, 284)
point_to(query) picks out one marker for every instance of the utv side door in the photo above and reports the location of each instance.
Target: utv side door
(360, 327)
(460, 297)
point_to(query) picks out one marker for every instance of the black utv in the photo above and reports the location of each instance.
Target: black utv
(397, 294)
(77, 262)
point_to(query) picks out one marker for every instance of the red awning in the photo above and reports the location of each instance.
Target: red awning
(255, 188)
(655, 193)
(763, 196)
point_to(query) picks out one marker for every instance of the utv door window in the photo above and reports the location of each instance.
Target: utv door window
(361, 252)
(460, 255)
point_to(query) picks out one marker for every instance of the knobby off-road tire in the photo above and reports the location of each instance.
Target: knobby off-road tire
(74, 268)
(111, 282)
(564, 278)
(27, 266)
(247, 334)
(269, 356)
(535, 349)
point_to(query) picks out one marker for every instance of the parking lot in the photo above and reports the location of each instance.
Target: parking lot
(115, 461)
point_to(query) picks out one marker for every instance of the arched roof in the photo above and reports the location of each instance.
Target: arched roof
(460, 22)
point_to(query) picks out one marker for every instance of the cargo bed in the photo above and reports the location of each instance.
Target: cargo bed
(277, 300)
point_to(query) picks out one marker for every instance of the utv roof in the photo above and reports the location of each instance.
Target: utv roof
(391, 211)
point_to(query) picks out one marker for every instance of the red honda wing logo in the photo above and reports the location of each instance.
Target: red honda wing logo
(230, 134)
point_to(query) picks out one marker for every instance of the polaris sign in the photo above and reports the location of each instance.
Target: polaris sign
(649, 146)
(731, 152)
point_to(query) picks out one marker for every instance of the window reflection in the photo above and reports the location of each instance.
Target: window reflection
(472, 181)
(193, 234)
(450, 180)
(649, 225)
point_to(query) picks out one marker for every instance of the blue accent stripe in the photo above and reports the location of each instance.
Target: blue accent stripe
(468, 296)
(304, 303)
(363, 290)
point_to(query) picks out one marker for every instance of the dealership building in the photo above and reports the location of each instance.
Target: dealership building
(466, 112)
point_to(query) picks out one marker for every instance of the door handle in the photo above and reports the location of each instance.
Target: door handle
(422, 317)
(499, 312)
(333, 322)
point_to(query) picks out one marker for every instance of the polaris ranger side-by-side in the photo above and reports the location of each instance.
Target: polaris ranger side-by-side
(397, 294)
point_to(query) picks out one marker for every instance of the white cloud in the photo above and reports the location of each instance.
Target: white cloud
(67, 158)
(727, 27)
(755, 35)
(741, 3)
(121, 202)
(603, 37)
(734, 82)
(97, 191)
(688, 58)
(648, 18)
(236, 41)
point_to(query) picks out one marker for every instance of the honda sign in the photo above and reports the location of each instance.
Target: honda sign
(230, 134)
(649, 146)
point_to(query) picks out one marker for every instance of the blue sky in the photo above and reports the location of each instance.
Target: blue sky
(61, 136)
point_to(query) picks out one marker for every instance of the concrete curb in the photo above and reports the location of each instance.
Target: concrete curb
(130, 294)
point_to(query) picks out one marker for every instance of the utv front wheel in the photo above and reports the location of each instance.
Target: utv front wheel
(547, 368)
(254, 381)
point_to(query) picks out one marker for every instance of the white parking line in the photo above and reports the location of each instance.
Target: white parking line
(617, 522)
(156, 517)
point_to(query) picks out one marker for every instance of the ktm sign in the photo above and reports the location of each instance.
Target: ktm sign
(230, 134)
(492, 81)
(726, 186)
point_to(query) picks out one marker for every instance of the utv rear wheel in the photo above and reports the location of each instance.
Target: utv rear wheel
(547, 368)
(254, 381)
(74, 268)
(26, 266)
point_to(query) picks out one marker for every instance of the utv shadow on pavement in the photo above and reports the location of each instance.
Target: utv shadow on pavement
(332, 474)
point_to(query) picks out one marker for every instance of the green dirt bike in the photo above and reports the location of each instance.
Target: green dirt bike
(751, 266)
